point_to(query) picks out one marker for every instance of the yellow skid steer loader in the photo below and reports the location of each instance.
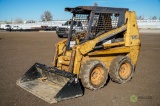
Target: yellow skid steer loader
(104, 42)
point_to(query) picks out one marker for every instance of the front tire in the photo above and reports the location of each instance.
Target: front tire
(60, 36)
(93, 74)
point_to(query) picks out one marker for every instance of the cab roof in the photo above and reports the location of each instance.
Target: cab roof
(96, 9)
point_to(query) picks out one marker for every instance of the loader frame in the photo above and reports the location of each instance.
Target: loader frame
(90, 47)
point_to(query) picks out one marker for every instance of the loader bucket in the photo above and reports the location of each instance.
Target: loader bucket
(51, 85)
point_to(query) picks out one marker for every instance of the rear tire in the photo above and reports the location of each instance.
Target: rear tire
(121, 69)
(93, 74)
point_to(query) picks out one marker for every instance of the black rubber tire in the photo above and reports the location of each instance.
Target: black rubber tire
(86, 71)
(115, 66)
(60, 36)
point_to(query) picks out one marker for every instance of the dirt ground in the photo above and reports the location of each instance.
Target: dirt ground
(20, 50)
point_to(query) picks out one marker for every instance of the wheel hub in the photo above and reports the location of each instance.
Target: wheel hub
(125, 70)
(97, 75)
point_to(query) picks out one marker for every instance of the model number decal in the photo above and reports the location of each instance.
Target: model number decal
(134, 36)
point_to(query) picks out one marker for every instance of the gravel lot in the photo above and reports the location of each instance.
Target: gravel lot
(20, 50)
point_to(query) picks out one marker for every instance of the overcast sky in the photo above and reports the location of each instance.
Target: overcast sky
(33, 9)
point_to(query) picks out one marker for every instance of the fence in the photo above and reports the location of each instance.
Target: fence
(143, 24)
(149, 24)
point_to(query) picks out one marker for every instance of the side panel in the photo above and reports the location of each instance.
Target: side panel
(132, 37)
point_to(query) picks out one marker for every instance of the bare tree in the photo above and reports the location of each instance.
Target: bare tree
(150, 18)
(140, 17)
(137, 17)
(154, 18)
(18, 21)
(46, 16)
(95, 4)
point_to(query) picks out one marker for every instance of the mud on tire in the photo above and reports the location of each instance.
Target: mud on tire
(121, 69)
(93, 74)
